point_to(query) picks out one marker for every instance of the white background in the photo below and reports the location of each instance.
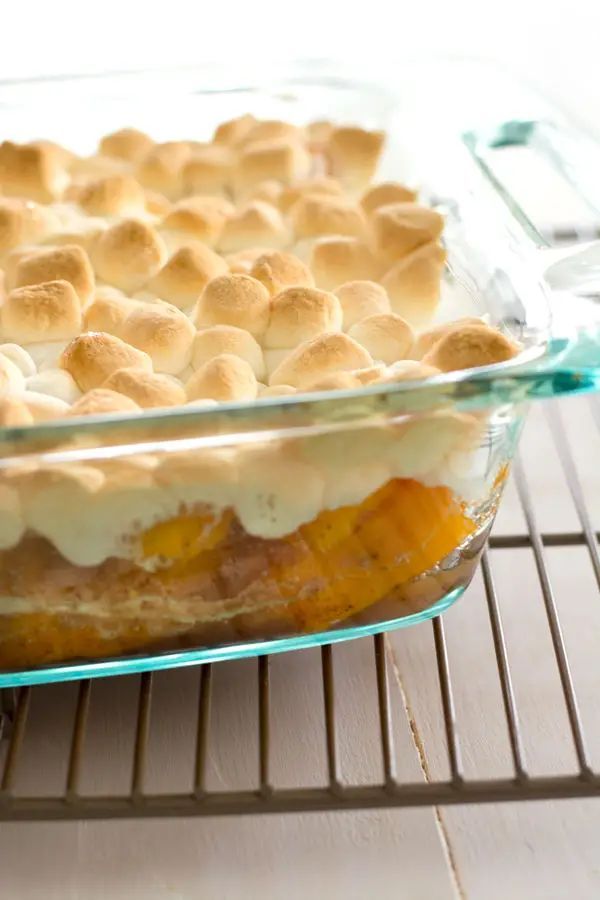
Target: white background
(554, 44)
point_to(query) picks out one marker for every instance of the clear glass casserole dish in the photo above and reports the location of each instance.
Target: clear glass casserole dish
(146, 541)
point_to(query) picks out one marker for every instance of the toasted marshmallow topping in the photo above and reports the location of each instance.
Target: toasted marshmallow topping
(413, 284)
(127, 143)
(128, 254)
(69, 263)
(386, 336)
(100, 401)
(255, 224)
(353, 154)
(55, 383)
(41, 312)
(33, 171)
(20, 357)
(163, 332)
(44, 407)
(322, 186)
(112, 195)
(234, 300)
(318, 358)
(147, 389)
(226, 378)
(185, 275)
(336, 260)
(14, 413)
(197, 219)
(469, 347)
(427, 339)
(23, 222)
(209, 171)
(316, 216)
(233, 131)
(278, 270)
(360, 299)
(219, 339)
(279, 159)
(93, 356)
(300, 313)
(401, 228)
(108, 311)
(385, 194)
(161, 169)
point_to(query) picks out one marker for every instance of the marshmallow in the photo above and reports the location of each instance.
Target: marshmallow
(339, 381)
(319, 134)
(127, 143)
(209, 171)
(322, 186)
(234, 130)
(43, 407)
(112, 195)
(276, 390)
(353, 154)
(82, 232)
(99, 401)
(20, 357)
(386, 336)
(84, 168)
(31, 171)
(196, 218)
(55, 383)
(278, 270)
(41, 312)
(384, 194)
(46, 354)
(470, 347)
(234, 300)
(407, 370)
(163, 332)
(319, 357)
(279, 160)
(298, 314)
(336, 260)
(108, 311)
(226, 378)
(11, 377)
(69, 263)
(128, 254)
(316, 216)
(13, 414)
(401, 228)
(427, 339)
(183, 278)
(241, 263)
(360, 299)
(93, 356)
(414, 283)
(23, 222)
(219, 339)
(270, 191)
(161, 169)
(270, 130)
(256, 223)
(148, 389)
(156, 204)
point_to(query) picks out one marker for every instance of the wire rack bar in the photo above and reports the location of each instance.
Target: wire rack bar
(204, 702)
(385, 717)
(263, 723)
(16, 739)
(448, 707)
(141, 737)
(78, 739)
(330, 729)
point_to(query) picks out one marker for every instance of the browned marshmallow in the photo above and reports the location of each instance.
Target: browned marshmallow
(278, 270)
(23, 222)
(127, 143)
(256, 224)
(163, 332)
(427, 339)
(316, 216)
(271, 130)
(353, 154)
(360, 299)
(41, 312)
(186, 274)
(93, 356)
(162, 168)
(336, 260)
(414, 283)
(280, 160)
(234, 300)
(234, 130)
(241, 262)
(407, 370)
(108, 311)
(384, 194)
(112, 195)
(318, 358)
(386, 336)
(101, 401)
(470, 347)
(322, 186)
(68, 263)
(225, 378)
(300, 313)
(209, 171)
(14, 413)
(31, 171)
(128, 254)
(399, 229)
(148, 389)
(219, 339)
(196, 218)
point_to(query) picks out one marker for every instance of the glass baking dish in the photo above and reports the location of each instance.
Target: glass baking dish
(148, 541)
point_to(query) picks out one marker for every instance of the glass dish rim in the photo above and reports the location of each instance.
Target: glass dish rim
(556, 371)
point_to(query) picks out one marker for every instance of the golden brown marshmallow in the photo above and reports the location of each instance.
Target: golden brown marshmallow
(234, 300)
(280, 160)
(127, 143)
(270, 191)
(270, 130)
(318, 358)
(414, 283)
(31, 171)
(41, 312)
(241, 263)
(162, 168)
(23, 222)
(353, 154)
(108, 311)
(14, 413)
(163, 332)
(100, 401)
(256, 223)
(298, 314)
(335, 260)
(219, 339)
(68, 263)
(276, 390)
(128, 254)
(401, 228)
(86, 167)
(339, 381)
(384, 194)
(360, 299)
(209, 171)
(112, 195)
(196, 218)
(427, 339)
(322, 186)
(470, 347)
(226, 378)
(278, 270)
(386, 336)
(149, 390)
(156, 204)
(93, 356)
(183, 278)
(234, 130)
(319, 133)
(407, 370)
(316, 216)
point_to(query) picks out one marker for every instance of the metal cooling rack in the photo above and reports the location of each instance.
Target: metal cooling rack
(391, 791)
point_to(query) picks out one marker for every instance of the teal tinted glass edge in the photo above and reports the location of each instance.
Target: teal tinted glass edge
(154, 663)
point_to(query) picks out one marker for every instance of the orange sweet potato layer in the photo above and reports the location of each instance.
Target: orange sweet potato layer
(218, 583)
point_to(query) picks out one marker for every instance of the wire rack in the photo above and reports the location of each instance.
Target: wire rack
(391, 790)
